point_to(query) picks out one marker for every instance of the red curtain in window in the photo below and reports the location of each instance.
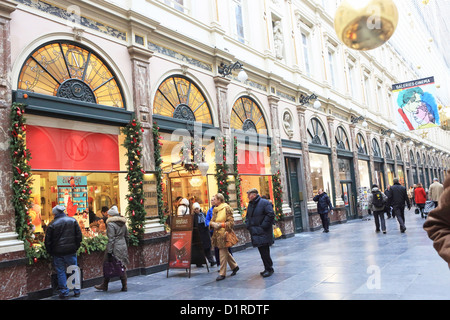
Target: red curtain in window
(63, 149)
(251, 162)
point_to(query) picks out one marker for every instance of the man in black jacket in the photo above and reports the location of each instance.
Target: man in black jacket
(397, 199)
(62, 240)
(259, 221)
(323, 207)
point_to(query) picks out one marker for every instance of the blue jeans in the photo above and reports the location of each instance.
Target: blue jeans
(61, 263)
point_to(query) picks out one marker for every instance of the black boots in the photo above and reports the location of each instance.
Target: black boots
(104, 285)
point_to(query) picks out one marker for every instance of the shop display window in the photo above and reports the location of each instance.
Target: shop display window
(320, 173)
(82, 193)
(364, 174)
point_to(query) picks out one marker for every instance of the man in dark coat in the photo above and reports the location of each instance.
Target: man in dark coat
(259, 221)
(397, 198)
(62, 240)
(323, 207)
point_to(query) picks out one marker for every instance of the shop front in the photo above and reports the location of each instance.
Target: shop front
(74, 113)
(346, 172)
(365, 181)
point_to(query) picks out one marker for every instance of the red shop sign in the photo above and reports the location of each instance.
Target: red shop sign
(63, 149)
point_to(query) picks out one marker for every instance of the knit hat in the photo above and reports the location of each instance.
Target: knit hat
(113, 211)
(195, 205)
(58, 209)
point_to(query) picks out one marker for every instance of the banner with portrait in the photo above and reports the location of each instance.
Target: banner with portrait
(415, 104)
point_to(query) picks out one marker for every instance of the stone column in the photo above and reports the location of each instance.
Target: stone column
(306, 162)
(355, 164)
(142, 106)
(334, 162)
(12, 254)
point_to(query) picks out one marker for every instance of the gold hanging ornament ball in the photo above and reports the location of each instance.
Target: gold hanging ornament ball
(365, 24)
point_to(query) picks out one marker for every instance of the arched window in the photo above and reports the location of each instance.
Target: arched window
(418, 159)
(178, 97)
(68, 70)
(247, 116)
(361, 144)
(316, 133)
(342, 139)
(411, 157)
(398, 154)
(376, 148)
(388, 152)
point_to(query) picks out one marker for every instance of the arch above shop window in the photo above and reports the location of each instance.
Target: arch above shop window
(316, 133)
(69, 70)
(388, 152)
(411, 157)
(418, 159)
(342, 141)
(361, 144)
(376, 148)
(398, 154)
(247, 116)
(179, 98)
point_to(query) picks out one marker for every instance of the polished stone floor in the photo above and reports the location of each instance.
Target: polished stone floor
(351, 262)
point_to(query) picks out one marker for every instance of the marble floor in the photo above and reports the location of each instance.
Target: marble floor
(351, 262)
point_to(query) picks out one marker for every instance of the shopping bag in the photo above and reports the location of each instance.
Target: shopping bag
(277, 232)
(113, 268)
(429, 205)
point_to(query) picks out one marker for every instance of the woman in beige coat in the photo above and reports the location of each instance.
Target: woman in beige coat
(437, 224)
(117, 247)
(223, 222)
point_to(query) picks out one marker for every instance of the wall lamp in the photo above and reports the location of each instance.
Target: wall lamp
(305, 99)
(385, 132)
(226, 70)
(360, 118)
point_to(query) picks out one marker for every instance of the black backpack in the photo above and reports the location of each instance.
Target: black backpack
(377, 200)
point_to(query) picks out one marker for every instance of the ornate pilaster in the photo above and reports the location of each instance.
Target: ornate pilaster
(140, 63)
(305, 152)
(355, 162)
(334, 162)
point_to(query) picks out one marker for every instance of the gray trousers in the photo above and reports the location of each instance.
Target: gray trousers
(400, 215)
(379, 218)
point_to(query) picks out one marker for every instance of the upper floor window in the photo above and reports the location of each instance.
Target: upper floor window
(67, 70)
(179, 5)
(332, 66)
(306, 44)
(239, 20)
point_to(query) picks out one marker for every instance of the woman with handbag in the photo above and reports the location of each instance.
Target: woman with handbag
(223, 237)
(420, 196)
(116, 253)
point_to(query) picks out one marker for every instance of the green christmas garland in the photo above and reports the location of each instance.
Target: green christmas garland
(135, 209)
(222, 169)
(159, 173)
(22, 180)
(277, 195)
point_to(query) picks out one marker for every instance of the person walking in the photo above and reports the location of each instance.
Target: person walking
(203, 232)
(62, 240)
(421, 197)
(437, 224)
(388, 207)
(117, 247)
(435, 191)
(377, 202)
(323, 207)
(398, 197)
(223, 236)
(259, 221)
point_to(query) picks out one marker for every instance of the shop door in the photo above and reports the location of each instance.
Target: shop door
(348, 197)
(295, 197)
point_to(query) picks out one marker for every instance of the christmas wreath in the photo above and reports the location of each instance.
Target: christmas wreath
(190, 160)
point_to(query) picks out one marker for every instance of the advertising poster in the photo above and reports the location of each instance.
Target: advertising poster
(180, 249)
(415, 104)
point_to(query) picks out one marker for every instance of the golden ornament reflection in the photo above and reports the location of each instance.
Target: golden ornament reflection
(365, 24)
